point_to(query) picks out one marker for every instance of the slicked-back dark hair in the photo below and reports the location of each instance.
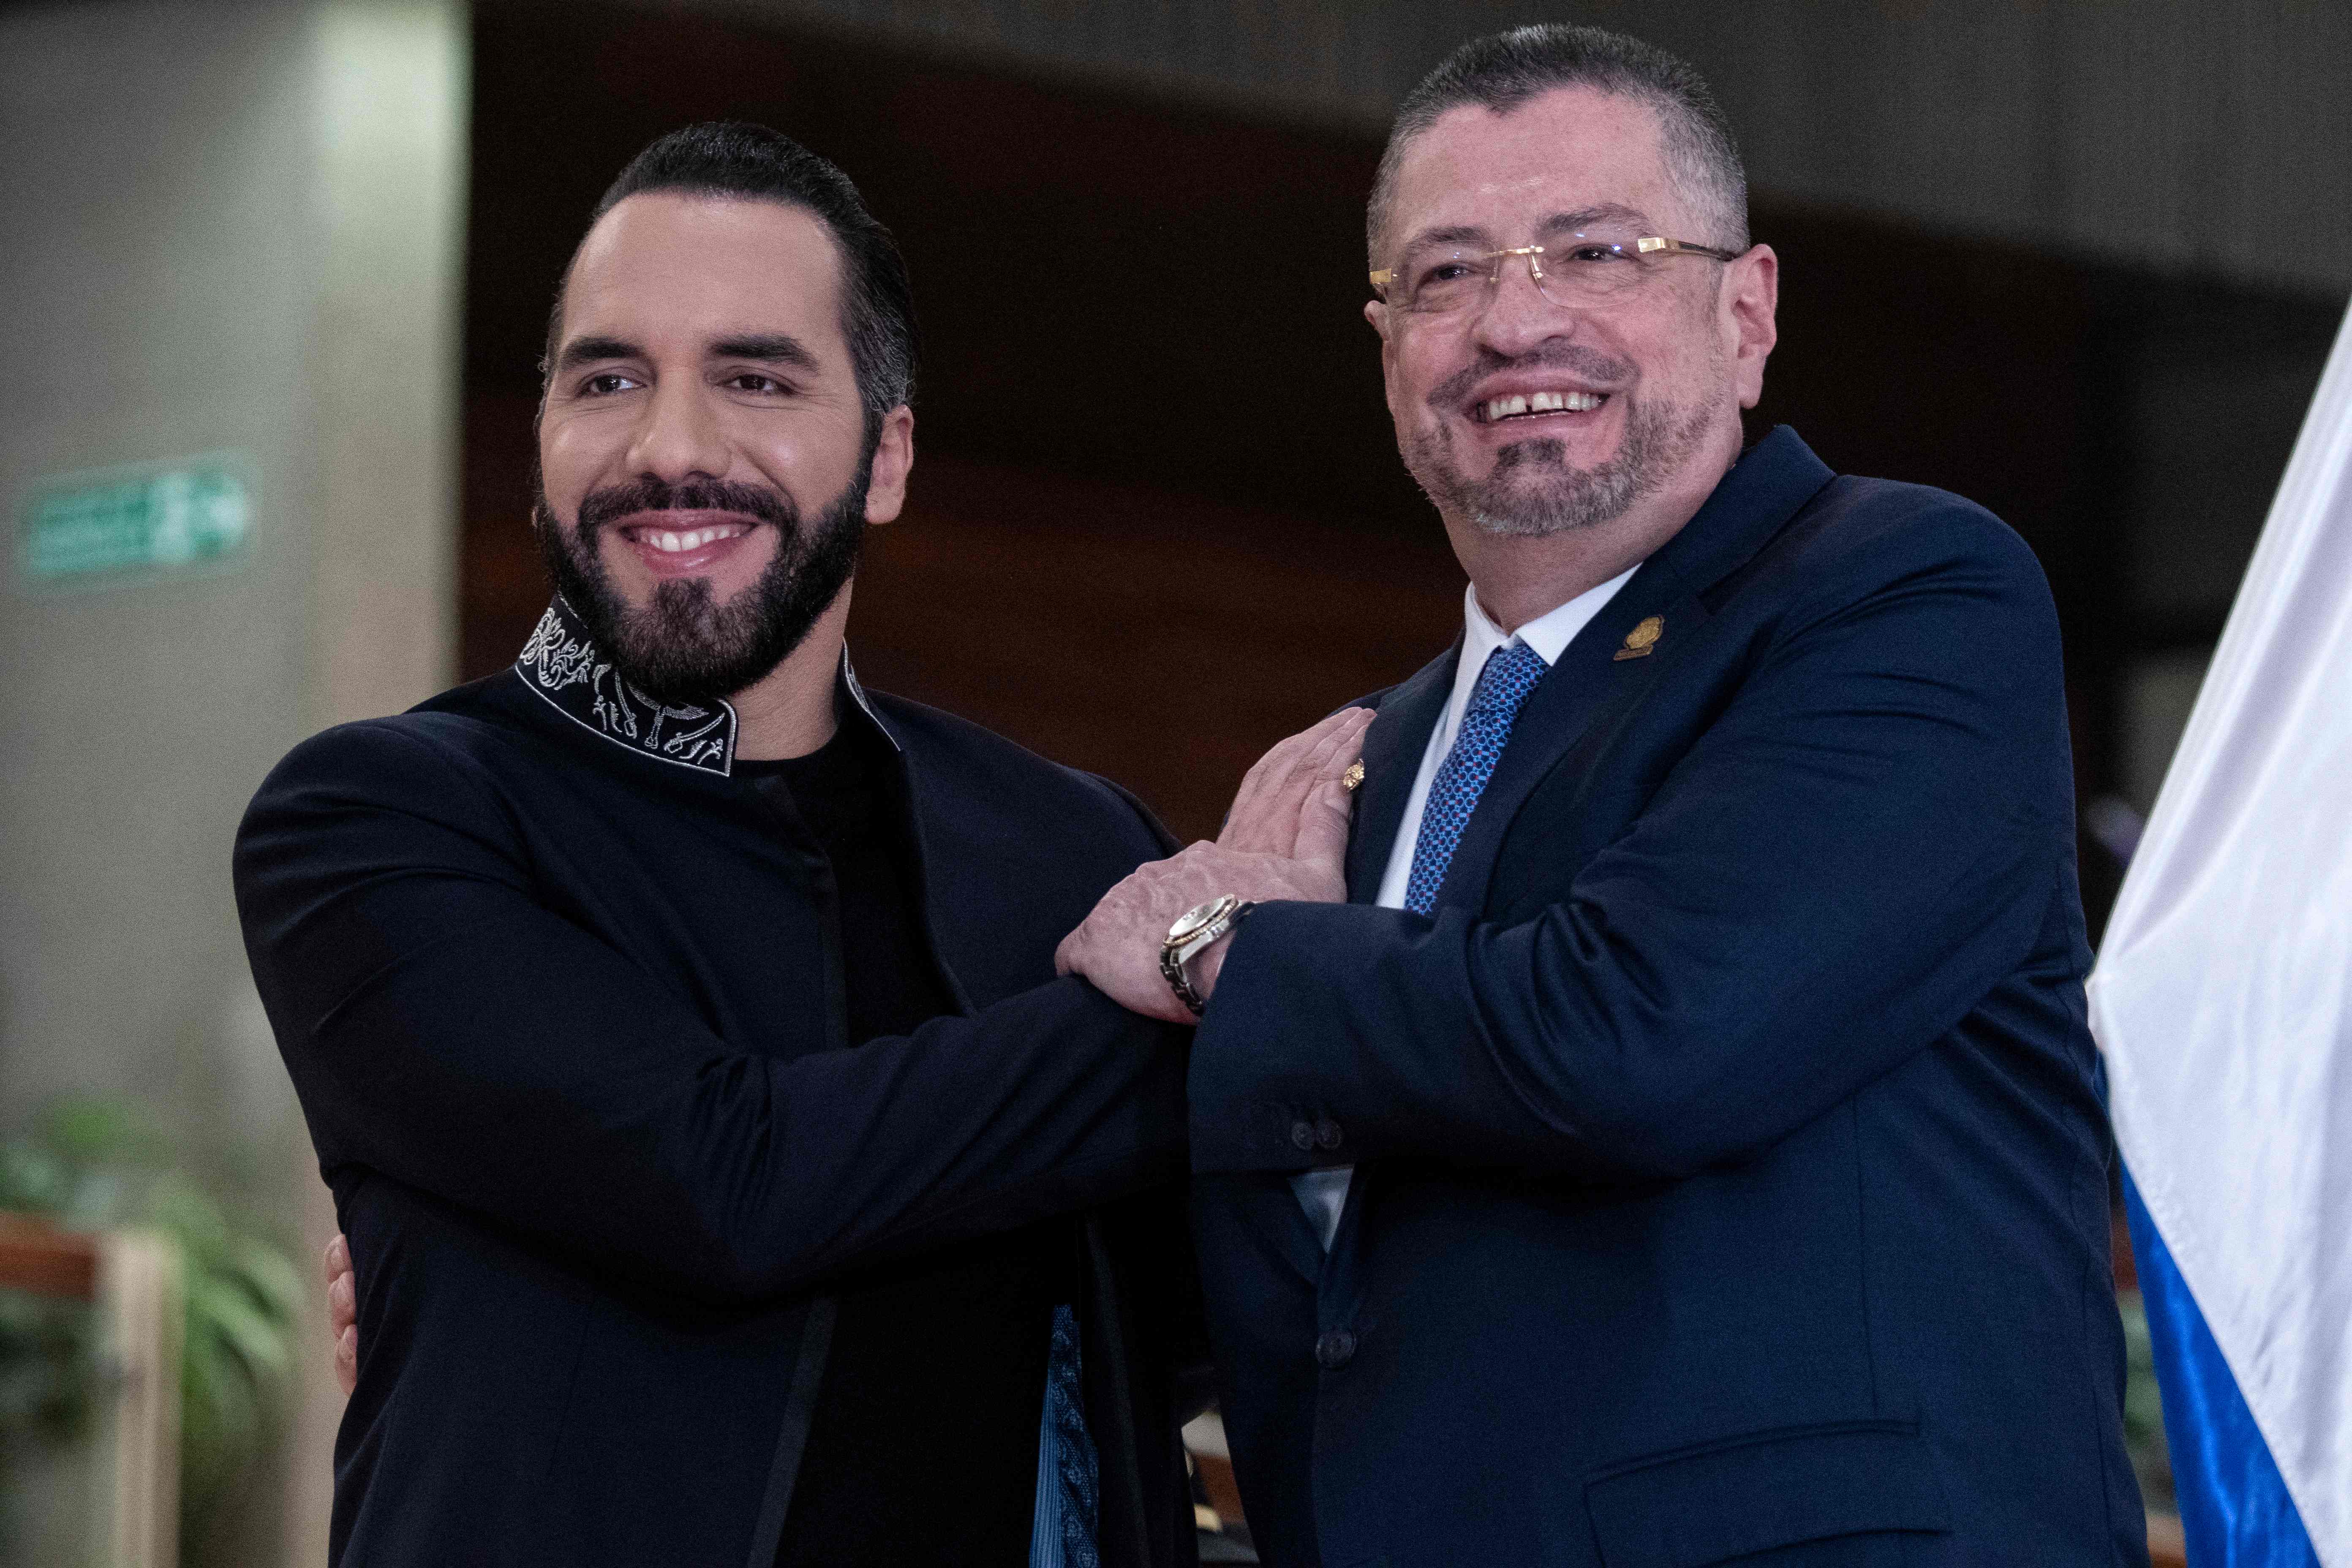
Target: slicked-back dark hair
(1503, 70)
(735, 161)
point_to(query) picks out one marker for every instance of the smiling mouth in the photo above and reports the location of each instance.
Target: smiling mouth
(680, 541)
(1529, 404)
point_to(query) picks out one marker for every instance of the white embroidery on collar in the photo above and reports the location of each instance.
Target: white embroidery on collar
(564, 668)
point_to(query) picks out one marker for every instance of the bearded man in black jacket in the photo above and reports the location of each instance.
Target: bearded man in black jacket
(728, 1177)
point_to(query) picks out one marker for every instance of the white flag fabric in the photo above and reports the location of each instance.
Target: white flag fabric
(2223, 999)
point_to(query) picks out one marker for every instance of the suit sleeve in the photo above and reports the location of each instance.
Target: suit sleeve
(446, 1028)
(1154, 1234)
(1860, 845)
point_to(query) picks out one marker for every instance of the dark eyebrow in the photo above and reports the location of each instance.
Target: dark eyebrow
(592, 351)
(771, 348)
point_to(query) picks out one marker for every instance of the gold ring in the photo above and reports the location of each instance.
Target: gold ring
(1353, 777)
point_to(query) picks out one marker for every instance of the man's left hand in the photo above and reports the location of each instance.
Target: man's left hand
(1287, 838)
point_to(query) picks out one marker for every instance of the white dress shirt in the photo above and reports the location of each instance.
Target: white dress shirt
(1324, 1194)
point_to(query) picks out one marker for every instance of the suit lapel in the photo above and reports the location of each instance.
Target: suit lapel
(1393, 748)
(1755, 500)
(1587, 679)
(1272, 1216)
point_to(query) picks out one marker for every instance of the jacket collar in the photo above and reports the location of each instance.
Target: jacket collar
(1393, 746)
(1754, 499)
(850, 689)
(572, 676)
(1763, 491)
(567, 669)
(1767, 487)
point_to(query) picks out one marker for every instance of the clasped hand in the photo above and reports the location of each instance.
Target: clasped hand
(1285, 839)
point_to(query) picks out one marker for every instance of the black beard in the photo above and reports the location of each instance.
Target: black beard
(683, 646)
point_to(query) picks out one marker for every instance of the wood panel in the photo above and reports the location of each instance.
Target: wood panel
(2192, 132)
(46, 1262)
(1162, 640)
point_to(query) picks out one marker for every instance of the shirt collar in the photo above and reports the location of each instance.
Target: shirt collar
(1549, 634)
(574, 678)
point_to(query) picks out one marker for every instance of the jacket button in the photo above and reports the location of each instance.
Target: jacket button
(1335, 1350)
(1327, 1134)
(1302, 1136)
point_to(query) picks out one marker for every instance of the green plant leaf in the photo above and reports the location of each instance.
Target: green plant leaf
(96, 1164)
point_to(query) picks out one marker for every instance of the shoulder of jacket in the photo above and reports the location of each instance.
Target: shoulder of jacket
(1886, 548)
(974, 758)
(450, 735)
(1859, 536)
(1867, 515)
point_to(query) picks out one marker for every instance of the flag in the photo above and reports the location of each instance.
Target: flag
(2222, 1004)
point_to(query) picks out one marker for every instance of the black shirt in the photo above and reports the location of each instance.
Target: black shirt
(923, 1448)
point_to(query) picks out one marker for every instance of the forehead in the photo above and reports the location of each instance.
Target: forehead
(1559, 152)
(666, 265)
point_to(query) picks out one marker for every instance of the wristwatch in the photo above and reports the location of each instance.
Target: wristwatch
(1195, 930)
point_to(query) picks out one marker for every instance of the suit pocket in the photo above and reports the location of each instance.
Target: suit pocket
(1770, 1490)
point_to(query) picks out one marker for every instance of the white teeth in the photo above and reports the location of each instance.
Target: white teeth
(673, 543)
(1541, 403)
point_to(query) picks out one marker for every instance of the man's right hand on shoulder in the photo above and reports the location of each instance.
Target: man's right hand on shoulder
(343, 1314)
(1285, 839)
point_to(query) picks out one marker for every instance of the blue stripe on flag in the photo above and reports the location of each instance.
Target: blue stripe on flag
(2234, 1509)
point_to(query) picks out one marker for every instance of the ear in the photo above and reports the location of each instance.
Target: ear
(894, 460)
(1751, 298)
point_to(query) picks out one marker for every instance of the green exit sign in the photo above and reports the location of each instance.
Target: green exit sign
(136, 522)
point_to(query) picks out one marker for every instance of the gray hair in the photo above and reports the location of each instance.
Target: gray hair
(1503, 70)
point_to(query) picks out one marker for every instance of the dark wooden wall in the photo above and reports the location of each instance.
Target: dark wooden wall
(1149, 424)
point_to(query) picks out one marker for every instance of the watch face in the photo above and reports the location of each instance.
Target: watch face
(1196, 916)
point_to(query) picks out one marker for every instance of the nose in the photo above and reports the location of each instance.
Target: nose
(678, 435)
(1517, 314)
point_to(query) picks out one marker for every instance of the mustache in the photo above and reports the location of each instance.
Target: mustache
(599, 508)
(1589, 363)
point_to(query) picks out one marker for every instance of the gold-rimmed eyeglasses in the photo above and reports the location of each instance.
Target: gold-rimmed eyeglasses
(1573, 269)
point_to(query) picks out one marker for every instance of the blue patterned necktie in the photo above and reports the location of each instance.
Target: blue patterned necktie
(1069, 1485)
(1503, 686)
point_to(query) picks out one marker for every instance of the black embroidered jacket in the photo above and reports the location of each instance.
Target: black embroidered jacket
(561, 1000)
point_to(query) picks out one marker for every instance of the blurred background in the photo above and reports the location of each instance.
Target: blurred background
(276, 279)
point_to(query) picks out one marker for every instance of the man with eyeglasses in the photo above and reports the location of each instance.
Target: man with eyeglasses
(1677, 1143)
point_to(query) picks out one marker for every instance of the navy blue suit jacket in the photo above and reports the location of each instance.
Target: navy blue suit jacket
(1730, 1183)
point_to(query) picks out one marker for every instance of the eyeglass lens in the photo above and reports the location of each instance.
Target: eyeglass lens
(1572, 269)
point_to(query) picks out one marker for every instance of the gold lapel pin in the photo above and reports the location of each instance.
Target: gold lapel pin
(1642, 639)
(1353, 778)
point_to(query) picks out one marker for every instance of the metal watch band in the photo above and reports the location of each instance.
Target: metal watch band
(1176, 953)
(1172, 969)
